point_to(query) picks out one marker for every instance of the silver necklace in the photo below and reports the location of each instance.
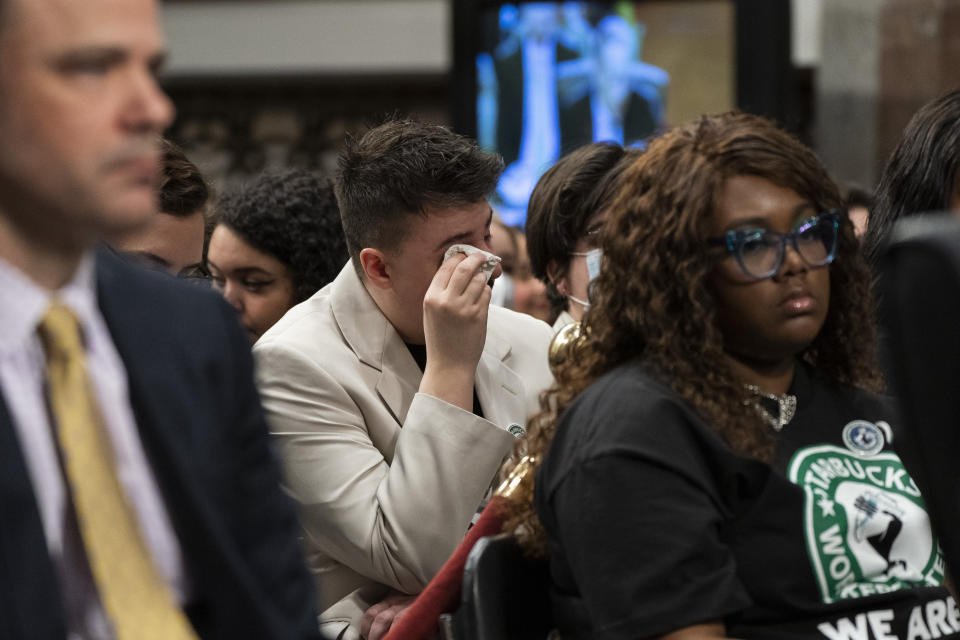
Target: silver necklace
(786, 405)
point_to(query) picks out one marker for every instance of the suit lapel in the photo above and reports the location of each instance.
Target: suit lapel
(29, 589)
(399, 377)
(183, 426)
(165, 421)
(153, 385)
(499, 388)
(375, 342)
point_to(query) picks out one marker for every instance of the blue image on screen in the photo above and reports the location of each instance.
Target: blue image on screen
(555, 76)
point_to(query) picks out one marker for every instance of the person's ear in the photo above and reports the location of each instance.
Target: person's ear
(374, 264)
(558, 279)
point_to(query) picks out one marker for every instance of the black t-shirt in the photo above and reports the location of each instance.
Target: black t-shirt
(655, 524)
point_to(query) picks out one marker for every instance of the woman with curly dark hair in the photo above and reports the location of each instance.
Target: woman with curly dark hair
(276, 243)
(713, 460)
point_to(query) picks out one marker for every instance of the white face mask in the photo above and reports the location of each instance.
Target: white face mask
(594, 259)
(582, 303)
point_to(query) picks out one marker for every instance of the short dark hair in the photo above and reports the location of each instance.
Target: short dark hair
(183, 191)
(403, 168)
(921, 173)
(562, 203)
(292, 216)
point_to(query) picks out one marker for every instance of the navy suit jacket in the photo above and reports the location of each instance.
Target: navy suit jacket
(202, 428)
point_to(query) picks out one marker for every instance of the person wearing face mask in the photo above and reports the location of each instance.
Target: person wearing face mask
(564, 220)
(592, 259)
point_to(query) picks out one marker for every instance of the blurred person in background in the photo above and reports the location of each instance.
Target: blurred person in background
(275, 243)
(516, 288)
(139, 494)
(503, 243)
(529, 293)
(717, 462)
(174, 239)
(564, 221)
(859, 203)
(923, 172)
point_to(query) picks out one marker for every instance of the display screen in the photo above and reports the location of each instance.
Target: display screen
(553, 76)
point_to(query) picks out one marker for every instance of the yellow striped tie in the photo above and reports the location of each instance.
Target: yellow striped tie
(137, 601)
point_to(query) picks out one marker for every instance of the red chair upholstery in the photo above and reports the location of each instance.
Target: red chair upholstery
(442, 594)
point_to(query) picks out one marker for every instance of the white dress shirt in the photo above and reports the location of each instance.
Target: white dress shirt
(22, 367)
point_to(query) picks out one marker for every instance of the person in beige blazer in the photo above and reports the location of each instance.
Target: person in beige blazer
(388, 462)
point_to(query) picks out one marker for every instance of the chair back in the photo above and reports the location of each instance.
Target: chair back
(505, 595)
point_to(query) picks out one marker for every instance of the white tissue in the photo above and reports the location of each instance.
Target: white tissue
(488, 265)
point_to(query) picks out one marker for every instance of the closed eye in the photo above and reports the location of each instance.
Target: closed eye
(90, 61)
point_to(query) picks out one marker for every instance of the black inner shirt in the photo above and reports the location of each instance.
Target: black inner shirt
(419, 353)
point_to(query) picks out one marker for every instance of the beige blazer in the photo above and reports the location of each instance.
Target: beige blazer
(387, 479)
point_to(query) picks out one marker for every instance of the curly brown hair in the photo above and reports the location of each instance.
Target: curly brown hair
(292, 216)
(652, 300)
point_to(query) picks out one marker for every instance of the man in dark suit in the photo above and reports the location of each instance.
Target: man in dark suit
(138, 494)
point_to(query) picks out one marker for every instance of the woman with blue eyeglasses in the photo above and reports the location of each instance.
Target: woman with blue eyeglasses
(714, 460)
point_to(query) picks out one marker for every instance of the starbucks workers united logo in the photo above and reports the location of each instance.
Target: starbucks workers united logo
(865, 524)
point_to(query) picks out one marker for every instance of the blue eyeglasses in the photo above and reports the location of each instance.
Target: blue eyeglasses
(760, 253)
